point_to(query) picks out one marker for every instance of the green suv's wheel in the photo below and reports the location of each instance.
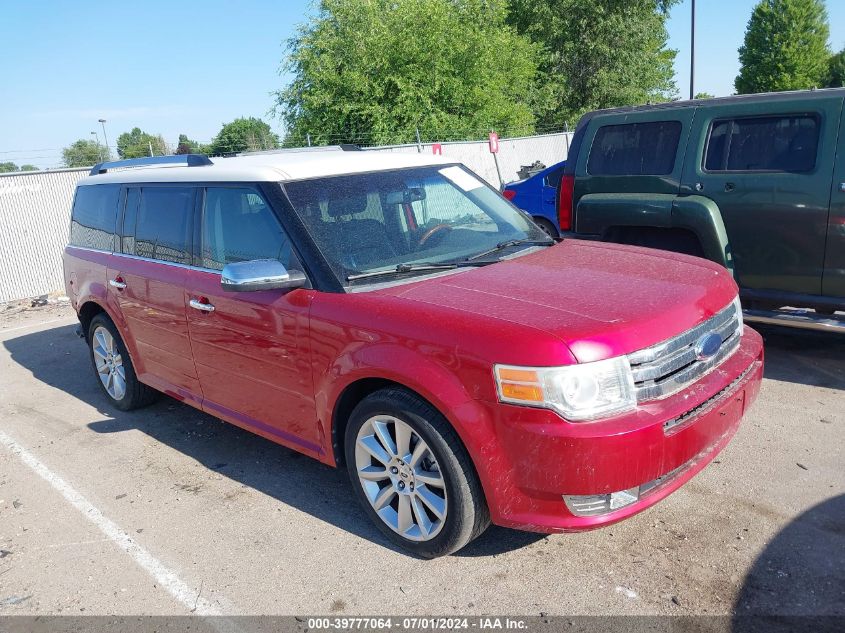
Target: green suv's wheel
(114, 368)
(412, 474)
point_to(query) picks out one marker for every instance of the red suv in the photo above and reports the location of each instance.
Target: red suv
(394, 314)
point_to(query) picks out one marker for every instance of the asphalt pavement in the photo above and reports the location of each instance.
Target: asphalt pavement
(167, 510)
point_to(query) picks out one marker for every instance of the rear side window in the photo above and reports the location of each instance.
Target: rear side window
(553, 177)
(773, 143)
(130, 217)
(162, 228)
(93, 217)
(635, 149)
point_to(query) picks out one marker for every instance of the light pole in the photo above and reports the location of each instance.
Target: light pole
(99, 149)
(105, 137)
(692, 54)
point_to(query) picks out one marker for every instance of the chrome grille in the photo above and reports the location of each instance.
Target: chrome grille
(665, 368)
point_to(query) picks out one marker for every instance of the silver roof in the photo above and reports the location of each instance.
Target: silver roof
(271, 167)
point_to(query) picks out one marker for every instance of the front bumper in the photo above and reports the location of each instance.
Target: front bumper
(548, 465)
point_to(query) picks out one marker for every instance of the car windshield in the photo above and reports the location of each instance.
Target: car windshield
(409, 221)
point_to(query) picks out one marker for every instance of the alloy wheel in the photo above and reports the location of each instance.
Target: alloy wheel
(109, 363)
(400, 477)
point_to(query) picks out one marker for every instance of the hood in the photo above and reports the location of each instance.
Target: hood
(601, 300)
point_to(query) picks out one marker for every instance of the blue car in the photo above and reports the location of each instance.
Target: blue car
(536, 196)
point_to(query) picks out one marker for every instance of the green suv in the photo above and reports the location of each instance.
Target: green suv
(755, 183)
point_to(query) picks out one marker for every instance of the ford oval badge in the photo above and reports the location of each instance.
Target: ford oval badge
(707, 346)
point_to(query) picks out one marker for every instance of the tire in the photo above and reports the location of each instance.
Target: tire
(458, 496)
(547, 227)
(112, 366)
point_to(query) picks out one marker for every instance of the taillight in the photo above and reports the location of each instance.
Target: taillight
(564, 209)
(510, 194)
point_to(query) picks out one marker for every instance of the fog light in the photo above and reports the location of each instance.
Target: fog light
(593, 505)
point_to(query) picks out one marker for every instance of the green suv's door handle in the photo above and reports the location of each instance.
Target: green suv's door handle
(729, 186)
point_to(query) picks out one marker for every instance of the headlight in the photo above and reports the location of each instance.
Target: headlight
(738, 308)
(577, 392)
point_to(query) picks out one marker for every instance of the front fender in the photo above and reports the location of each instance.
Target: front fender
(428, 375)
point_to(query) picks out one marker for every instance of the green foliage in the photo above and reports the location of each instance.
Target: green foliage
(83, 153)
(373, 71)
(29, 168)
(136, 144)
(597, 54)
(189, 146)
(7, 168)
(836, 70)
(785, 47)
(243, 135)
(703, 95)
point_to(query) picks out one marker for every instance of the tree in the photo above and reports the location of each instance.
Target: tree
(7, 168)
(703, 95)
(188, 146)
(29, 168)
(244, 135)
(597, 54)
(836, 70)
(136, 144)
(82, 153)
(364, 71)
(785, 47)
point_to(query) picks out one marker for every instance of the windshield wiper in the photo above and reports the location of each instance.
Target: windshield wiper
(503, 245)
(412, 268)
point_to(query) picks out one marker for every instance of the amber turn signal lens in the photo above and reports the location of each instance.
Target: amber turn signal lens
(517, 375)
(528, 393)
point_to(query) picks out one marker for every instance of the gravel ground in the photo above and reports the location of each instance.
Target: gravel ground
(167, 510)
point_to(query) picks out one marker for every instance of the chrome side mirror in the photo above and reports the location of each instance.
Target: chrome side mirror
(260, 274)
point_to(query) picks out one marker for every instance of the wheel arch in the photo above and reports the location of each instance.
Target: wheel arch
(88, 309)
(361, 388)
(542, 221)
(349, 398)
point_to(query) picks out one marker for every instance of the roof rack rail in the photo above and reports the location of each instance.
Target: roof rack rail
(190, 160)
(345, 147)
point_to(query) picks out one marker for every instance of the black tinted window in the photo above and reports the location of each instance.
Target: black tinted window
(94, 215)
(239, 226)
(553, 177)
(782, 143)
(638, 149)
(162, 229)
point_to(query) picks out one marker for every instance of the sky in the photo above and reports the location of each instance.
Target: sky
(175, 68)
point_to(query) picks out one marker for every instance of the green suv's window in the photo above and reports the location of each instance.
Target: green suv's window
(635, 149)
(773, 143)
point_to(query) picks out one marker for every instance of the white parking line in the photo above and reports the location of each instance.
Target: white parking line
(33, 325)
(163, 576)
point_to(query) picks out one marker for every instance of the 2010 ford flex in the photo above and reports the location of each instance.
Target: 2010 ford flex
(394, 314)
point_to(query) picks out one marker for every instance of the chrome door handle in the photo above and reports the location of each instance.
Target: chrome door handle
(199, 305)
(117, 283)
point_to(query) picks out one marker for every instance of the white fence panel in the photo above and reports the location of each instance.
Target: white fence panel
(513, 153)
(34, 221)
